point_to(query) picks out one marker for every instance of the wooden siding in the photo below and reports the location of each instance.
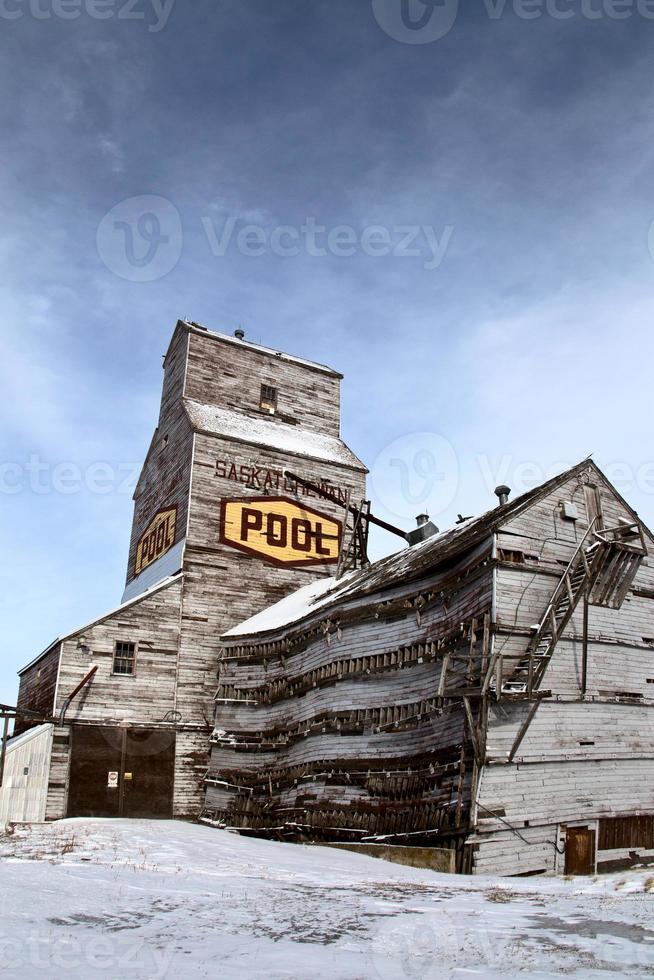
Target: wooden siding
(166, 475)
(585, 752)
(354, 721)
(176, 630)
(57, 802)
(147, 695)
(337, 729)
(223, 586)
(36, 691)
(230, 375)
(114, 700)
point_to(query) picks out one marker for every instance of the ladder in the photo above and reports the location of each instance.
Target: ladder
(354, 548)
(603, 571)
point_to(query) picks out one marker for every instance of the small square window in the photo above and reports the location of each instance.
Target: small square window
(124, 657)
(268, 400)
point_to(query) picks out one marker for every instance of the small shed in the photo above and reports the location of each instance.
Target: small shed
(24, 787)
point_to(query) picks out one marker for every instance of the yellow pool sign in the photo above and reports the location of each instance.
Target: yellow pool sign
(157, 539)
(280, 530)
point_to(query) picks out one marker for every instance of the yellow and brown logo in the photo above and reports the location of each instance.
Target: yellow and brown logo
(157, 539)
(280, 530)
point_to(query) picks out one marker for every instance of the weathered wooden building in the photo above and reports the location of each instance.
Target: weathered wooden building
(489, 689)
(219, 532)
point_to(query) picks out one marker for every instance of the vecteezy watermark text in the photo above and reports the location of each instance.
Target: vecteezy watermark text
(93, 955)
(522, 475)
(141, 239)
(426, 21)
(420, 472)
(342, 241)
(39, 476)
(153, 13)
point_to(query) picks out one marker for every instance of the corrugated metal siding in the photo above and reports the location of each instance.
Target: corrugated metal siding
(24, 788)
(159, 570)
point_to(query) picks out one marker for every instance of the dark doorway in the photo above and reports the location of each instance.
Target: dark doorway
(121, 772)
(579, 851)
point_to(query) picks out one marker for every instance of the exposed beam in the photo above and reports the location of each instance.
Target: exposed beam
(321, 491)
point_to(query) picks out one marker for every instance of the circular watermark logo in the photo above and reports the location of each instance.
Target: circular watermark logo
(416, 21)
(140, 239)
(417, 473)
(414, 950)
(650, 240)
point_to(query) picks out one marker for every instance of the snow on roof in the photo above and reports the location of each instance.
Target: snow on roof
(407, 564)
(163, 584)
(270, 432)
(298, 605)
(294, 607)
(259, 348)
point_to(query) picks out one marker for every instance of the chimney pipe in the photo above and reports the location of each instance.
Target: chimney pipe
(502, 493)
(424, 529)
(239, 334)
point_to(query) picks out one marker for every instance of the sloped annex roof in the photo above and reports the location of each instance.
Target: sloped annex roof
(270, 432)
(157, 587)
(408, 564)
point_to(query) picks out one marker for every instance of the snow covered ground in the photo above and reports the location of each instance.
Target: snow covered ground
(101, 898)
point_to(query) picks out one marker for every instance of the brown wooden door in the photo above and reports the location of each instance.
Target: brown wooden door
(148, 773)
(121, 772)
(579, 851)
(95, 752)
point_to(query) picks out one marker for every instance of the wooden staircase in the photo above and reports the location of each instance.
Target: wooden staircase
(603, 568)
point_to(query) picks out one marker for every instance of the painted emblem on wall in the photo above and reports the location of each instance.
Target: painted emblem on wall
(157, 539)
(280, 531)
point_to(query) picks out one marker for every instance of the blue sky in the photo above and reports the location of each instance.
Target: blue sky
(512, 156)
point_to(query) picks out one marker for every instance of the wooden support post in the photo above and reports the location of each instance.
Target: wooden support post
(485, 647)
(471, 650)
(471, 726)
(584, 649)
(523, 730)
(444, 667)
(3, 749)
(459, 791)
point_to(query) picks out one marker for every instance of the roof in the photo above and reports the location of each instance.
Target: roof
(112, 612)
(270, 432)
(292, 608)
(17, 740)
(405, 565)
(260, 349)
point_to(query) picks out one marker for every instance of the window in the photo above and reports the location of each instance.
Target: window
(124, 656)
(268, 400)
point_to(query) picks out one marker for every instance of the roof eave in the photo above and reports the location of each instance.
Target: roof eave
(355, 464)
(200, 330)
(158, 587)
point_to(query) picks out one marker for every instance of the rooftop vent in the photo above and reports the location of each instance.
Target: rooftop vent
(502, 494)
(424, 529)
(240, 333)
